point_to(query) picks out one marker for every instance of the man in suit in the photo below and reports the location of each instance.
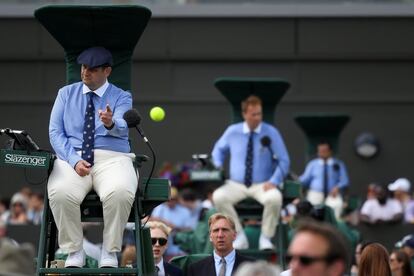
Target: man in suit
(225, 259)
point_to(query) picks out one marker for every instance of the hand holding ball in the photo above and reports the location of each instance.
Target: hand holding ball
(157, 114)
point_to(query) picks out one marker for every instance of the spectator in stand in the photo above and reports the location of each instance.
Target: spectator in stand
(401, 189)
(357, 258)
(259, 268)
(35, 208)
(4, 208)
(3, 229)
(400, 263)
(159, 240)
(188, 199)
(225, 259)
(18, 210)
(409, 212)
(408, 248)
(176, 217)
(374, 261)
(16, 259)
(208, 201)
(26, 191)
(371, 191)
(317, 249)
(381, 209)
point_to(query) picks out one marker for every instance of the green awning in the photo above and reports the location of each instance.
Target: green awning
(117, 28)
(321, 127)
(269, 90)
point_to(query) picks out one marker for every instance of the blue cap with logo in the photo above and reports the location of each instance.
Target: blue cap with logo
(95, 57)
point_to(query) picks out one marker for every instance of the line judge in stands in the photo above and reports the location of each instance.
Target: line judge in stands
(90, 137)
(255, 170)
(326, 178)
(225, 260)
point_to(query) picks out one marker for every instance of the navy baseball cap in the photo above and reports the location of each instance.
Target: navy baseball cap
(410, 242)
(95, 57)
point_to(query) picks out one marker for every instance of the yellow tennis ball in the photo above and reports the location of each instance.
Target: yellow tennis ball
(157, 114)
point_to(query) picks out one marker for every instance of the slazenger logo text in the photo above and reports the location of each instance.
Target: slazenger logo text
(24, 159)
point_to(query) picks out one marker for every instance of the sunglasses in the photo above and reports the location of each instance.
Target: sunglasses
(306, 260)
(161, 241)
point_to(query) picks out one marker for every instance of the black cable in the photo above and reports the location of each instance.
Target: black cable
(154, 159)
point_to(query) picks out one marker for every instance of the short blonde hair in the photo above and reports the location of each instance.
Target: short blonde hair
(159, 225)
(251, 100)
(218, 216)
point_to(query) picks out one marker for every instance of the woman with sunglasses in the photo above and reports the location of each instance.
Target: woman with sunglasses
(159, 239)
(400, 263)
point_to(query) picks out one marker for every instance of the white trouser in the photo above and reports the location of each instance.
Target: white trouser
(114, 179)
(336, 203)
(232, 192)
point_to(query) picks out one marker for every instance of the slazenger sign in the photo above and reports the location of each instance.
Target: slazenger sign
(25, 160)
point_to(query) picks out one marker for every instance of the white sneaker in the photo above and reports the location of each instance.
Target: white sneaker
(108, 259)
(241, 241)
(265, 243)
(75, 259)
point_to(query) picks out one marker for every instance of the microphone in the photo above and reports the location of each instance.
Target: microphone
(133, 119)
(22, 140)
(266, 142)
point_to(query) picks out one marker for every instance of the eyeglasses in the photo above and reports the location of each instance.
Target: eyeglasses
(161, 241)
(392, 260)
(307, 260)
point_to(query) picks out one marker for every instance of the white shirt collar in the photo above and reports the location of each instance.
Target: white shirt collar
(246, 128)
(100, 91)
(330, 161)
(161, 267)
(229, 258)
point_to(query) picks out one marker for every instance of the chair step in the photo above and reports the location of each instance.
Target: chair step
(89, 271)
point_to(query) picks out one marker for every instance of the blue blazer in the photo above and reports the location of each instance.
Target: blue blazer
(172, 270)
(206, 267)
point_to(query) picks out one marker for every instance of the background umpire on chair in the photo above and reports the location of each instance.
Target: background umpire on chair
(255, 170)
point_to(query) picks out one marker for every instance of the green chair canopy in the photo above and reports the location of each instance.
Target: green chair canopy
(321, 127)
(269, 90)
(117, 28)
